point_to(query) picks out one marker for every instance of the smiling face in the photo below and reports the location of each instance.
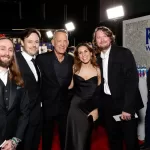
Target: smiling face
(60, 42)
(102, 40)
(31, 44)
(84, 54)
(6, 53)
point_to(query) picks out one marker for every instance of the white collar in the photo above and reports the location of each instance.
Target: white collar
(4, 72)
(27, 56)
(106, 54)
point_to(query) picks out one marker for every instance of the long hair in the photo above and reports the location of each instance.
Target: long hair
(14, 73)
(77, 61)
(108, 33)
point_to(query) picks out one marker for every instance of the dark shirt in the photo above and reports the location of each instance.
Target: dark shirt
(61, 69)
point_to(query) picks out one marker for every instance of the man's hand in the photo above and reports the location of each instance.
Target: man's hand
(94, 114)
(125, 116)
(8, 145)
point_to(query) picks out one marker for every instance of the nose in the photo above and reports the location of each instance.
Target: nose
(34, 43)
(83, 54)
(7, 52)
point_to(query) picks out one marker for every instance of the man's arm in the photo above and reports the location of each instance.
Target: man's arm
(131, 82)
(24, 115)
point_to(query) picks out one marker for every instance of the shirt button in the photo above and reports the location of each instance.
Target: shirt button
(6, 90)
(6, 99)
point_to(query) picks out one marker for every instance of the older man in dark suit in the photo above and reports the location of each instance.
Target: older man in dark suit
(56, 68)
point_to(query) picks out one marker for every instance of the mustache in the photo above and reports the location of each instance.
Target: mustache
(7, 56)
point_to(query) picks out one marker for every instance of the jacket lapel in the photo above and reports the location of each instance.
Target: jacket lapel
(1, 97)
(112, 56)
(110, 64)
(99, 62)
(52, 67)
(12, 94)
(23, 66)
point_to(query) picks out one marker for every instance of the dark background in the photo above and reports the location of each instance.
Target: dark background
(53, 14)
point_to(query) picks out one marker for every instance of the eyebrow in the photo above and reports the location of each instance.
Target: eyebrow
(2, 46)
(5, 47)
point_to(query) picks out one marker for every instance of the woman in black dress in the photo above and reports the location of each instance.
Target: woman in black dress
(83, 110)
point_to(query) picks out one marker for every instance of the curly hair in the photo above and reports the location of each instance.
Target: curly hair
(77, 61)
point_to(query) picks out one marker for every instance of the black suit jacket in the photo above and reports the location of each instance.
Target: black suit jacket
(54, 96)
(32, 87)
(123, 80)
(15, 119)
(148, 84)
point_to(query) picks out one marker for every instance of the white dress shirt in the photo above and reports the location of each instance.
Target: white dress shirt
(4, 76)
(105, 58)
(28, 59)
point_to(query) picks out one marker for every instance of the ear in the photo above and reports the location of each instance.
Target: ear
(52, 41)
(22, 43)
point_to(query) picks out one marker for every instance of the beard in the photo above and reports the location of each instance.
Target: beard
(6, 64)
(102, 48)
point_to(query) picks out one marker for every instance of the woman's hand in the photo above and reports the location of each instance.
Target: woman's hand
(94, 114)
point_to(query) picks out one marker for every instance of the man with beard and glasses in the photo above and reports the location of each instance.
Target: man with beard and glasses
(14, 102)
(120, 94)
(30, 40)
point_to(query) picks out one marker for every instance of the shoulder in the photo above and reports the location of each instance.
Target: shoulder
(70, 58)
(44, 56)
(120, 49)
(18, 54)
(122, 52)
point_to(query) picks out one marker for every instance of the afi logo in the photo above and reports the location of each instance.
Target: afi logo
(147, 39)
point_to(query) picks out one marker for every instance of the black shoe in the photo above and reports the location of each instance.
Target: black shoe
(144, 147)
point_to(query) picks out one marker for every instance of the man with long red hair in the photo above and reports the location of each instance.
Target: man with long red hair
(14, 110)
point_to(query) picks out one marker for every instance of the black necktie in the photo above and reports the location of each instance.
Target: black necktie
(37, 68)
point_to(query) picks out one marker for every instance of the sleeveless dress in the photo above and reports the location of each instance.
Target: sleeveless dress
(79, 127)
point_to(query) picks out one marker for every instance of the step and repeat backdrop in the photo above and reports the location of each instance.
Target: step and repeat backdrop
(136, 37)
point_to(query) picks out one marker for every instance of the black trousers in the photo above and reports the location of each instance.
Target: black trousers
(147, 124)
(48, 129)
(119, 132)
(31, 138)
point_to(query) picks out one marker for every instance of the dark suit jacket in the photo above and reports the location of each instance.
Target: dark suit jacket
(32, 87)
(148, 83)
(123, 80)
(15, 119)
(54, 96)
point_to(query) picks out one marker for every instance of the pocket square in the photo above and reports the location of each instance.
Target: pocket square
(18, 87)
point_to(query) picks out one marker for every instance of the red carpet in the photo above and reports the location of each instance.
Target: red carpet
(99, 140)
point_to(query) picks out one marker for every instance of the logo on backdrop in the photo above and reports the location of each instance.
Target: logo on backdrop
(147, 39)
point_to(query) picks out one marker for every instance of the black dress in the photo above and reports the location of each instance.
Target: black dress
(79, 125)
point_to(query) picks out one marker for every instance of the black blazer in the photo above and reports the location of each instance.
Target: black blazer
(148, 84)
(32, 87)
(54, 96)
(122, 80)
(15, 119)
